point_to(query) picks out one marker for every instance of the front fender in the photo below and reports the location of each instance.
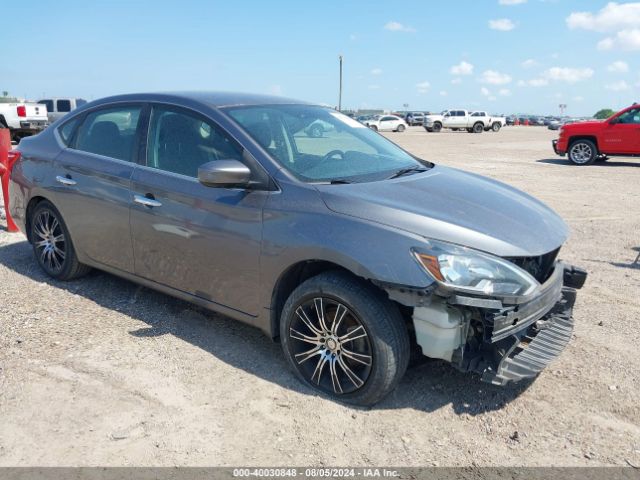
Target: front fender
(306, 230)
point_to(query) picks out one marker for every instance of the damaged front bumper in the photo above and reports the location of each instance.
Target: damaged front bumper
(506, 339)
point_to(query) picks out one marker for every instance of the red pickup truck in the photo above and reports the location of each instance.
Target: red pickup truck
(586, 142)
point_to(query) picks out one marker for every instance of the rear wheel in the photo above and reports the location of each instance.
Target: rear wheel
(436, 127)
(495, 127)
(583, 152)
(478, 128)
(52, 244)
(400, 128)
(345, 339)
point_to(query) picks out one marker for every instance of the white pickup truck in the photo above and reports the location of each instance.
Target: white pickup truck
(23, 119)
(472, 122)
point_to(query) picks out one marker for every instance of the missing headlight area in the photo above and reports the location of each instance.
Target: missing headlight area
(501, 342)
(539, 267)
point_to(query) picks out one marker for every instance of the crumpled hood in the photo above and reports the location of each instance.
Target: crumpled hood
(454, 206)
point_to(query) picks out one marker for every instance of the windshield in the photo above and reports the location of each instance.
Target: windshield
(318, 144)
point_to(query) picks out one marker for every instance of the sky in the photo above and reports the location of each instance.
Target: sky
(505, 56)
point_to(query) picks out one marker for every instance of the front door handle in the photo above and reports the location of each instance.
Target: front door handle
(65, 180)
(146, 201)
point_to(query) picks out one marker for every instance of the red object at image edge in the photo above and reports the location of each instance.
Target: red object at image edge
(7, 159)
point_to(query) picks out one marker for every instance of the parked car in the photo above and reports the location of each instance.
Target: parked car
(23, 119)
(59, 107)
(386, 123)
(346, 255)
(588, 141)
(554, 125)
(415, 118)
(510, 120)
(476, 122)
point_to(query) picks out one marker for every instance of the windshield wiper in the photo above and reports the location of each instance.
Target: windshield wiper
(406, 171)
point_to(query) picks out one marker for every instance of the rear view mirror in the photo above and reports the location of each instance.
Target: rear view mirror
(224, 173)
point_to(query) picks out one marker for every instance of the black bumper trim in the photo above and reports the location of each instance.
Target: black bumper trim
(542, 344)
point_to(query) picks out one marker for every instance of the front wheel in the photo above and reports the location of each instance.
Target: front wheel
(583, 152)
(373, 127)
(343, 338)
(400, 128)
(52, 244)
(436, 127)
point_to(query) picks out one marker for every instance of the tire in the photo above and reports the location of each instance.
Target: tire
(373, 127)
(315, 131)
(401, 128)
(582, 152)
(478, 127)
(496, 127)
(428, 129)
(437, 126)
(377, 361)
(52, 244)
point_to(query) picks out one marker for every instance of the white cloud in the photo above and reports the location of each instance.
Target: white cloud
(502, 24)
(485, 91)
(423, 87)
(398, 27)
(620, 86)
(443, 93)
(618, 67)
(456, 81)
(511, 2)
(495, 78)
(534, 82)
(374, 87)
(529, 63)
(376, 71)
(613, 17)
(505, 92)
(463, 68)
(569, 75)
(621, 19)
(623, 40)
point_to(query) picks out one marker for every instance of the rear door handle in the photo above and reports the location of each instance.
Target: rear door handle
(146, 201)
(65, 180)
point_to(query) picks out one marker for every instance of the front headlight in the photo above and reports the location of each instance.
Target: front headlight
(475, 272)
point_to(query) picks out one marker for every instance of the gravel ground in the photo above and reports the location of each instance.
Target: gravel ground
(100, 371)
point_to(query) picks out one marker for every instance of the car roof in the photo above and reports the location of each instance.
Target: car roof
(212, 99)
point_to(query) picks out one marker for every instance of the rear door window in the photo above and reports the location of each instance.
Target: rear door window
(63, 105)
(110, 132)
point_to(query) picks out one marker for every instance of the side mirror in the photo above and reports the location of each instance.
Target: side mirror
(224, 173)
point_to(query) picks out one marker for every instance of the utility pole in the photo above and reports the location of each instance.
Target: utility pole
(340, 91)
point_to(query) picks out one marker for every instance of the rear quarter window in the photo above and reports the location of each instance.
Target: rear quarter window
(67, 130)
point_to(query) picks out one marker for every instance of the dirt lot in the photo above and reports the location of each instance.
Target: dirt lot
(102, 372)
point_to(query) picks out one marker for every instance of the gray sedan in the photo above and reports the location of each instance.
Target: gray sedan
(347, 249)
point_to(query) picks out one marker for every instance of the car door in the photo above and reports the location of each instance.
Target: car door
(93, 178)
(198, 239)
(622, 133)
(386, 123)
